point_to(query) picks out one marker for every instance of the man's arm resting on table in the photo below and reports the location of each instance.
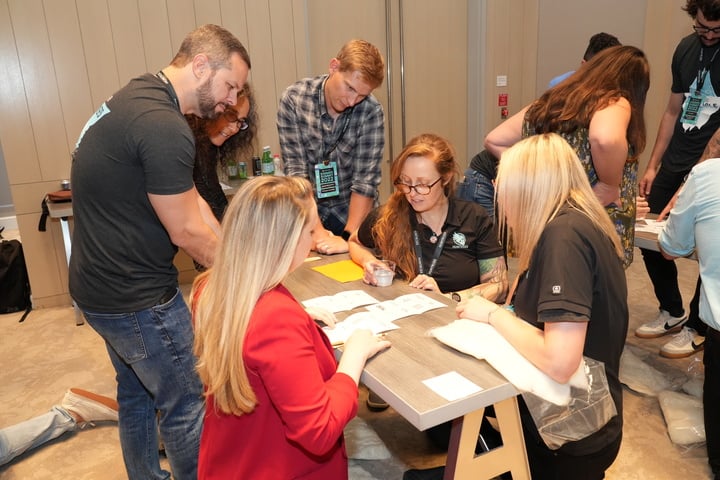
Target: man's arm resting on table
(360, 206)
(326, 242)
(181, 216)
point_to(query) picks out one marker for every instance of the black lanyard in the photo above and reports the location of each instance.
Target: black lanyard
(326, 156)
(171, 90)
(436, 253)
(703, 70)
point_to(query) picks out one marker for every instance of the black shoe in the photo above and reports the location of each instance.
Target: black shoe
(425, 474)
(375, 403)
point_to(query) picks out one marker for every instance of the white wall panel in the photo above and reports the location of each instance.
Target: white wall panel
(40, 87)
(155, 28)
(98, 49)
(71, 75)
(127, 39)
(16, 134)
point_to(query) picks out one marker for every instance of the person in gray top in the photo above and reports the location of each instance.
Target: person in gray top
(134, 204)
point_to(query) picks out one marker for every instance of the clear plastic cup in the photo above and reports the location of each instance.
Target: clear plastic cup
(384, 273)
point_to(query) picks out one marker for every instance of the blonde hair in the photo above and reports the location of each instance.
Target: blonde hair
(261, 229)
(536, 178)
(364, 57)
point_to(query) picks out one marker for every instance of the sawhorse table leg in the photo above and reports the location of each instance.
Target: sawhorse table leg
(463, 464)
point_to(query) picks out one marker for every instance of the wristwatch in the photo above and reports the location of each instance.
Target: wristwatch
(345, 235)
(455, 296)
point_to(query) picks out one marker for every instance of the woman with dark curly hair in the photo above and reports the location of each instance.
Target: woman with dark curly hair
(230, 135)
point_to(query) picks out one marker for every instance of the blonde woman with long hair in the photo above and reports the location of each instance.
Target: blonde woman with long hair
(571, 296)
(277, 400)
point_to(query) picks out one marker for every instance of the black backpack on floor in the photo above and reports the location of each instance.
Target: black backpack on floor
(14, 281)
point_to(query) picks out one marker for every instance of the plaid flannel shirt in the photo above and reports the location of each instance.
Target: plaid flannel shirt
(308, 134)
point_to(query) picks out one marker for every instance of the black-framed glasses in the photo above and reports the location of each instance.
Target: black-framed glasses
(231, 117)
(702, 29)
(420, 188)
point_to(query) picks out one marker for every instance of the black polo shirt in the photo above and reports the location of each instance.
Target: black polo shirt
(575, 269)
(471, 236)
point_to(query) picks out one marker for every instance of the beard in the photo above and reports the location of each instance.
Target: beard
(206, 100)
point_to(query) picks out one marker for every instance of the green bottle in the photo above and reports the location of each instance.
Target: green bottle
(267, 165)
(232, 169)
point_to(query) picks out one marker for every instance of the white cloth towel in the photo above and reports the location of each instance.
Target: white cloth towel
(483, 342)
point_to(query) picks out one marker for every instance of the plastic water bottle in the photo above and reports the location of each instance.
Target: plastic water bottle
(279, 168)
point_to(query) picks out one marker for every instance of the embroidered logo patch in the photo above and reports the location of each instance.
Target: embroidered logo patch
(556, 289)
(459, 239)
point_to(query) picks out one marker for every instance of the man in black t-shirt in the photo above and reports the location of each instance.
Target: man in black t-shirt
(690, 119)
(134, 204)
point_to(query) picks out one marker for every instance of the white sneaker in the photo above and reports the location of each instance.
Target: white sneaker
(683, 344)
(90, 407)
(663, 324)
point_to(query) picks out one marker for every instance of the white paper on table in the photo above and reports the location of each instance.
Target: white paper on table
(225, 187)
(649, 225)
(452, 386)
(339, 302)
(405, 305)
(377, 324)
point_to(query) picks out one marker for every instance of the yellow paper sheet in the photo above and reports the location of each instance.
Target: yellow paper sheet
(342, 271)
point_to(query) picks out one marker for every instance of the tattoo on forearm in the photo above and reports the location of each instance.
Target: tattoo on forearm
(493, 279)
(712, 149)
(493, 270)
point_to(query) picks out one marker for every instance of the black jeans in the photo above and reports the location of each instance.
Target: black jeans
(663, 273)
(711, 399)
(546, 464)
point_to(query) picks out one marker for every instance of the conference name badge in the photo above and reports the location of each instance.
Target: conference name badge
(326, 180)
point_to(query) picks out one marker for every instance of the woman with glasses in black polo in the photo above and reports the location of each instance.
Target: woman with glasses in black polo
(438, 243)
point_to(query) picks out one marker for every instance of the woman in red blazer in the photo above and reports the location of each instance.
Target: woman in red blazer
(277, 400)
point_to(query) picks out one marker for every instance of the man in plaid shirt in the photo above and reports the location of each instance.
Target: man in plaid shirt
(332, 132)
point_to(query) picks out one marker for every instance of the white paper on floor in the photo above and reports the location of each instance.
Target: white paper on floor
(639, 376)
(684, 417)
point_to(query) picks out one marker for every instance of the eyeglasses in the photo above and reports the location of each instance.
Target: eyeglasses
(420, 188)
(231, 117)
(702, 29)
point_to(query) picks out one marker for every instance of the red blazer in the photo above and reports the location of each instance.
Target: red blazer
(296, 429)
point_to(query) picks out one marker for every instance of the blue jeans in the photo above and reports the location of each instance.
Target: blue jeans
(476, 187)
(151, 351)
(24, 436)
